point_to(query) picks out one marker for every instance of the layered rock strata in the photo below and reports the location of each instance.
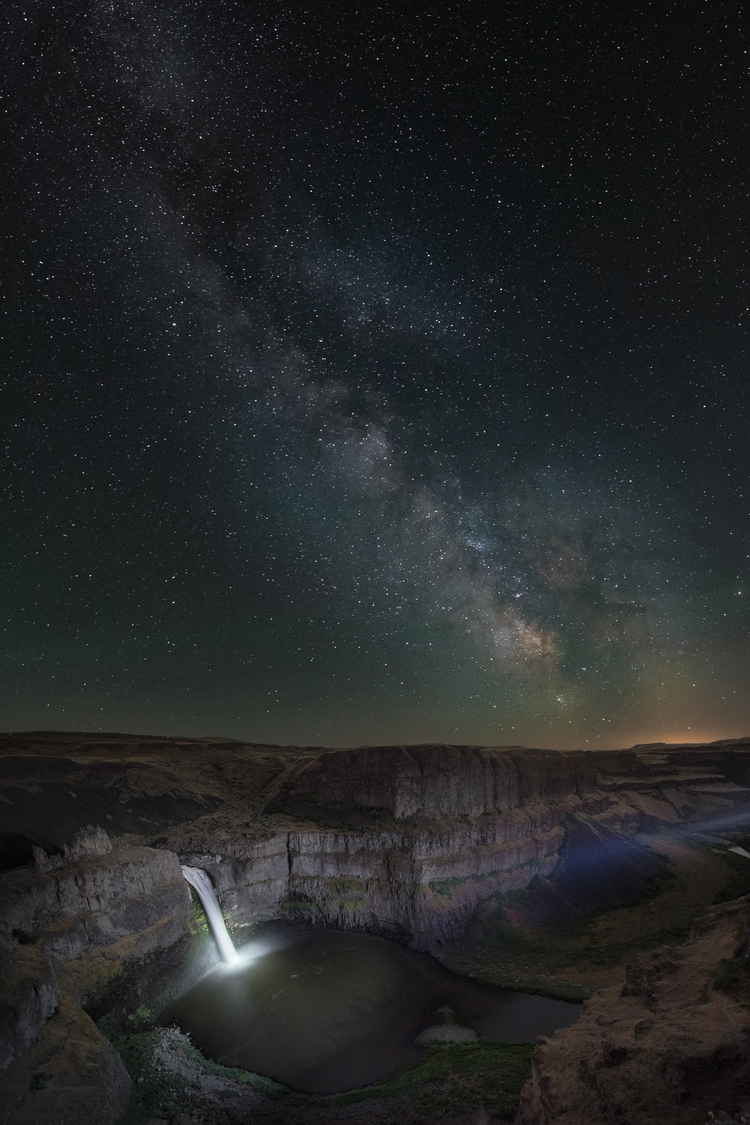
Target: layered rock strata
(421, 882)
(408, 840)
(423, 834)
(438, 781)
(69, 929)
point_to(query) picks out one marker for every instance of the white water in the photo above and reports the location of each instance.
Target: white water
(198, 879)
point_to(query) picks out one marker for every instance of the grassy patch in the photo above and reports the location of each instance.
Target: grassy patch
(448, 1079)
(454, 1079)
(733, 977)
(445, 887)
(157, 1090)
(263, 1085)
(197, 923)
(570, 960)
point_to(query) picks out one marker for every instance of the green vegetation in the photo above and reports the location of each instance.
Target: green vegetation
(454, 1079)
(347, 894)
(157, 1088)
(40, 1080)
(733, 977)
(445, 887)
(199, 923)
(449, 1079)
(568, 961)
(142, 1019)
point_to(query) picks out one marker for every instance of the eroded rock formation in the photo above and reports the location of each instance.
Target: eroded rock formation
(665, 1045)
(67, 933)
(438, 781)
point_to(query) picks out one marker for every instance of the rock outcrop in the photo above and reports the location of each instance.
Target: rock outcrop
(408, 840)
(420, 882)
(666, 1045)
(70, 929)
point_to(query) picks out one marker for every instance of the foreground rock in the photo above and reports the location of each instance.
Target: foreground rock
(74, 930)
(665, 1046)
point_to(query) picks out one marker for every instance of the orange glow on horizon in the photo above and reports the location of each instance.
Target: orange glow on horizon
(624, 740)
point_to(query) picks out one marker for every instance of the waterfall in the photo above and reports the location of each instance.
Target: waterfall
(198, 879)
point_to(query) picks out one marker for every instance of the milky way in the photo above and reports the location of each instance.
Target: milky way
(375, 377)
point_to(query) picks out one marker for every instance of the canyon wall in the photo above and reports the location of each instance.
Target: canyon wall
(420, 883)
(439, 781)
(406, 841)
(70, 929)
(403, 841)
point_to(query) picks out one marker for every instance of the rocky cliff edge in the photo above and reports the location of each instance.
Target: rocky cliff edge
(670, 1044)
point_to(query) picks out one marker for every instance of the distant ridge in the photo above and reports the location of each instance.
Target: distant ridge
(94, 736)
(743, 740)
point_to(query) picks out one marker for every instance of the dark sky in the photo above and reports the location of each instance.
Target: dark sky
(376, 373)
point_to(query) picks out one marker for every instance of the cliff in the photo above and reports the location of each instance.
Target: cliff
(438, 781)
(67, 935)
(397, 840)
(408, 840)
(670, 1043)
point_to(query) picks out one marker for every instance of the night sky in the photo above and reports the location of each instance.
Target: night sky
(376, 373)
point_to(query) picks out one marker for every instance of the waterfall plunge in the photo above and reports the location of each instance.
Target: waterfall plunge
(198, 879)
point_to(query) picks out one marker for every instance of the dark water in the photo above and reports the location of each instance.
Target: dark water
(329, 1011)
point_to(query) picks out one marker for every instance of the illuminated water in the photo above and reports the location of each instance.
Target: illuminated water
(330, 1011)
(199, 880)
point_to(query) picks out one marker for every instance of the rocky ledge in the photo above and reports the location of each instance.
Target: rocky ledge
(670, 1044)
(74, 930)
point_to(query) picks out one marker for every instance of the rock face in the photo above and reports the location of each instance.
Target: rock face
(68, 930)
(440, 781)
(407, 841)
(70, 1074)
(419, 882)
(664, 1046)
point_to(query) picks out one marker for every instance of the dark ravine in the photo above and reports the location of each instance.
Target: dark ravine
(398, 841)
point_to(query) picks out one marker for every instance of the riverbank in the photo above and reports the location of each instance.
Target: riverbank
(573, 959)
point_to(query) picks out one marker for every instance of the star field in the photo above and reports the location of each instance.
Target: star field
(375, 374)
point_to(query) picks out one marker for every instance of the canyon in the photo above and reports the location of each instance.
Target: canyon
(401, 841)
